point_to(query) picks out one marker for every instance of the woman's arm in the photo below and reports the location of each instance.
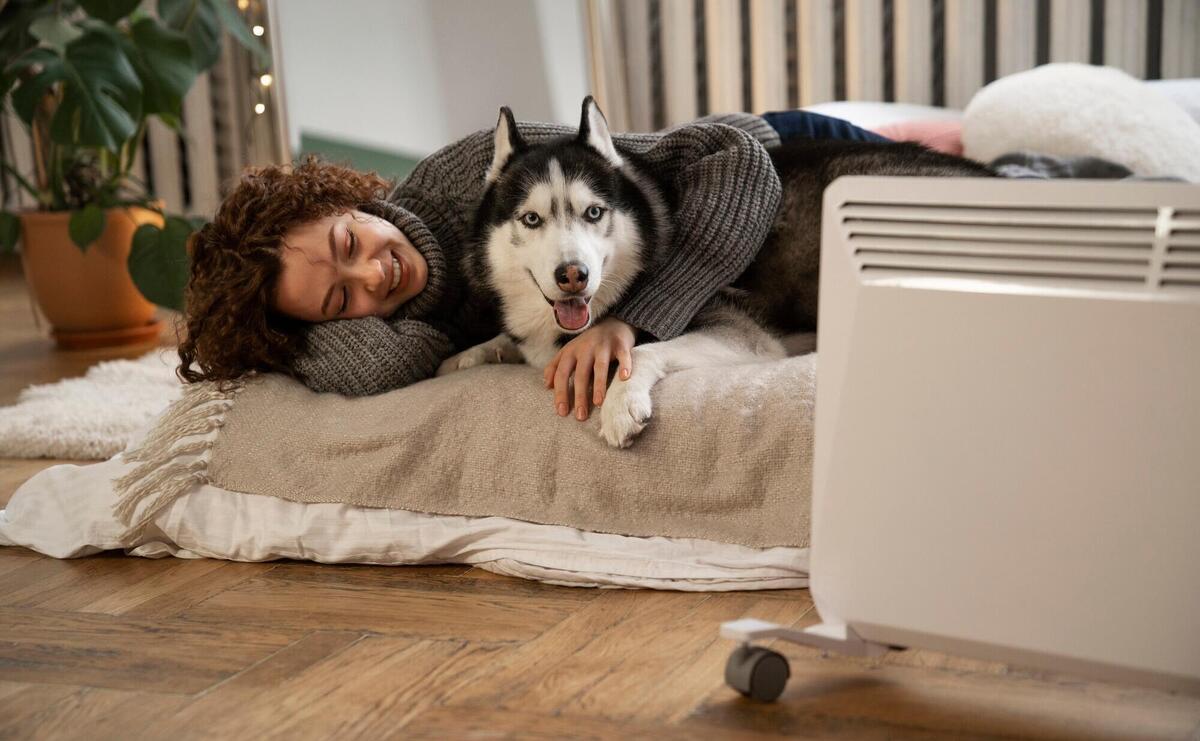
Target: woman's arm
(361, 357)
(728, 194)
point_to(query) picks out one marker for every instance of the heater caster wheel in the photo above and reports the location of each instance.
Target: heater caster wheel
(758, 673)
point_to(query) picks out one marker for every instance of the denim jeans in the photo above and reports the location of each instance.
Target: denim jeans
(805, 125)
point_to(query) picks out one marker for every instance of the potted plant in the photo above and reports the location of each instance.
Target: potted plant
(85, 77)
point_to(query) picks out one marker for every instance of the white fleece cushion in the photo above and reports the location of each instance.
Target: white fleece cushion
(1072, 110)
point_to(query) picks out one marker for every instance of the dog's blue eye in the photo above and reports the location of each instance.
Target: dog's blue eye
(531, 220)
(593, 213)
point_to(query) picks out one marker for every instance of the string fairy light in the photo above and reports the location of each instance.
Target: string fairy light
(253, 12)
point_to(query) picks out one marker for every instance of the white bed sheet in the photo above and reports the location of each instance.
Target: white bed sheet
(66, 511)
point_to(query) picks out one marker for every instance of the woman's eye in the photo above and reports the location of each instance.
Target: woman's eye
(593, 213)
(353, 241)
(531, 220)
(345, 300)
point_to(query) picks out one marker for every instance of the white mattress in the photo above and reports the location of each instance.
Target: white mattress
(66, 511)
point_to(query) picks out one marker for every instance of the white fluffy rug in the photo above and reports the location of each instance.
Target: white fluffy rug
(92, 417)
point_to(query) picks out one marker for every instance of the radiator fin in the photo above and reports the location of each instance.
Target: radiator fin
(1109, 246)
(1181, 263)
(1032, 216)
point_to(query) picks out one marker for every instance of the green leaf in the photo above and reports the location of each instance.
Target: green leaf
(163, 60)
(236, 26)
(158, 262)
(30, 92)
(86, 226)
(10, 231)
(175, 12)
(173, 122)
(54, 31)
(197, 20)
(102, 95)
(16, 16)
(109, 11)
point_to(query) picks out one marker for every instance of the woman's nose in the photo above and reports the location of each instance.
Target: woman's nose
(370, 273)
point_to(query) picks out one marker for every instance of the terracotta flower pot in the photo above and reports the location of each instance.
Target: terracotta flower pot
(88, 296)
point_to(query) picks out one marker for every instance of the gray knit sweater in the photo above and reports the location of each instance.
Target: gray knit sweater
(727, 193)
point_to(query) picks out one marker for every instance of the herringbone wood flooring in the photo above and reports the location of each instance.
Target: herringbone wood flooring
(116, 647)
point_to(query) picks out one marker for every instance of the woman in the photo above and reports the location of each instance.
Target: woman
(311, 271)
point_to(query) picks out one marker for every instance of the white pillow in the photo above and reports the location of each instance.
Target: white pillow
(1183, 93)
(67, 511)
(871, 116)
(1072, 110)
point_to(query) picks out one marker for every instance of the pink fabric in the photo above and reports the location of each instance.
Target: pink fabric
(940, 135)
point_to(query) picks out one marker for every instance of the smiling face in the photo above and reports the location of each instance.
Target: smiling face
(345, 266)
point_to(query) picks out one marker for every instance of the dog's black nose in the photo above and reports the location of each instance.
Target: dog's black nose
(571, 277)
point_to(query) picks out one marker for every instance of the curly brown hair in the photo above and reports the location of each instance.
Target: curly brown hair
(231, 329)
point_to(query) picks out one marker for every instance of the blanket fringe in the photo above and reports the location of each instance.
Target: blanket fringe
(162, 477)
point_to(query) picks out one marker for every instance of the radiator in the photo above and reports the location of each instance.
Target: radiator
(657, 63)
(1007, 423)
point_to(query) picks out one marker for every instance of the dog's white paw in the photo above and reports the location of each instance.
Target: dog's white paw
(469, 358)
(499, 349)
(625, 413)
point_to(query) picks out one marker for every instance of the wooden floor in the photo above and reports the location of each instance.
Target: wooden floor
(116, 647)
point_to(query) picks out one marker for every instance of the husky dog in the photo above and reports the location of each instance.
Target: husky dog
(565, 227)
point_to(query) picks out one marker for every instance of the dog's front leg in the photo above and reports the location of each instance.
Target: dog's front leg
(627, 406)
(499, 349)
(538, 354)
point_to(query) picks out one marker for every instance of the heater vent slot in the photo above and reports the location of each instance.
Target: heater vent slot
(1092, 245)
(1136, 218)
(1181, 262)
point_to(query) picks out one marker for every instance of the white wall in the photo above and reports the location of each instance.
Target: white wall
(412, 76)
(362, 70)
(564, 46)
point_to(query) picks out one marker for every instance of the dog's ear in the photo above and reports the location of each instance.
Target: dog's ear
(508, 142)
(593, 132)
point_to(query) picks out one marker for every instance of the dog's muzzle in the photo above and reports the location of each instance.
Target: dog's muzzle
(572, 313)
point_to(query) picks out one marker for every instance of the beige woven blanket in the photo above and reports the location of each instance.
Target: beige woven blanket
(726, 457)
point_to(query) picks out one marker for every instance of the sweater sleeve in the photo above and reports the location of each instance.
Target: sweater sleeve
(362, 357)
(755, 126)
(728, 194)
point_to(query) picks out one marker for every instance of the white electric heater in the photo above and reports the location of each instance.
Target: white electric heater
(1007, 460)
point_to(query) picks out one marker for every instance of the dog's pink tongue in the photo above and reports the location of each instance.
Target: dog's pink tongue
(571, 314)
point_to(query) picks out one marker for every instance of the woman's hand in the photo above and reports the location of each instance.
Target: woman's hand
(587, 356)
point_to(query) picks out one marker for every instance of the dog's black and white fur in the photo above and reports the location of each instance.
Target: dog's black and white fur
(565, 228)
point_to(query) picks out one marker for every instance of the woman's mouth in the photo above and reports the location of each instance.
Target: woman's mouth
(397, 274)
